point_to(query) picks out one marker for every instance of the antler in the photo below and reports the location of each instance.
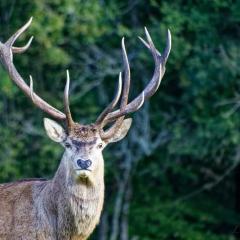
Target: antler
(67, 111)
(150, 89)
(108, 115)
(101, 119)
(6, 56)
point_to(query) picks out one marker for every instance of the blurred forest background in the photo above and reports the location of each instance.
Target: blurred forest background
(176, 176)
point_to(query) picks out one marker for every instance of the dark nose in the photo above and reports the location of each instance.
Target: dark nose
(84, 164)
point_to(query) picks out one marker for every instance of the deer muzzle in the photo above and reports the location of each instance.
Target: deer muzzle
(84, 164)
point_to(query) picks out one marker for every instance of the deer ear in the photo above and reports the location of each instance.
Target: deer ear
(122, 131)
(54, 130)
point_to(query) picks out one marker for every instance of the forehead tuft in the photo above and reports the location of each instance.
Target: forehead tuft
(84, 132)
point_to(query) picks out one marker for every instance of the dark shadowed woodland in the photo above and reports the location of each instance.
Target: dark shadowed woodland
(176, 176)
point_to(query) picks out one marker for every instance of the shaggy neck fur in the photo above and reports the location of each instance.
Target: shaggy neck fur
(74, 208)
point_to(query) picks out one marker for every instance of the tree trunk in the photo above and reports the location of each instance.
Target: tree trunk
(125, 212)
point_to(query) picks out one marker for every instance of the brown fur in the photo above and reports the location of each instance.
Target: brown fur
(69, 206)
(49, 209)
(86, 132)
(62, 208)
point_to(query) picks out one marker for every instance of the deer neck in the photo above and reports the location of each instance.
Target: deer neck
(78, 203)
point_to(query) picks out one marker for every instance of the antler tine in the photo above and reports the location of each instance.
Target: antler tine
(152, 86)
(107, 134)
(126, 88)
(152, 47)
(24, 48)
(112, 130)
(168, 46)
(43, 105)
(6, 57)
(111, 106)
(15, 36)
(127, 77)
(132, 107)
(67, 111)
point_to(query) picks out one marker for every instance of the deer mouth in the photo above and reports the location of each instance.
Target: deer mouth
(83, 173)
(84, 176)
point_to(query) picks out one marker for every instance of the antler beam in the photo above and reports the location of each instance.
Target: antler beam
(6, 56)
(7, 50)
(150, 89)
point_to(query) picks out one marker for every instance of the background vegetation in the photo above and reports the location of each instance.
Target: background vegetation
(177, 174)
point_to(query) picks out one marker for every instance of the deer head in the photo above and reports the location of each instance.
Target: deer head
(84, 143)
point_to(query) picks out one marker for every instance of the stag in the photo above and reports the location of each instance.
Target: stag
(69, 205)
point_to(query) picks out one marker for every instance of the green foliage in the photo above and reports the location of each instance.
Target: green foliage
(197, 103)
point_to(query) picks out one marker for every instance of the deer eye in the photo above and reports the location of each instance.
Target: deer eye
(67, 145)
(100, 146)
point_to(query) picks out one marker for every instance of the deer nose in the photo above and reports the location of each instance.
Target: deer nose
(84, 164)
